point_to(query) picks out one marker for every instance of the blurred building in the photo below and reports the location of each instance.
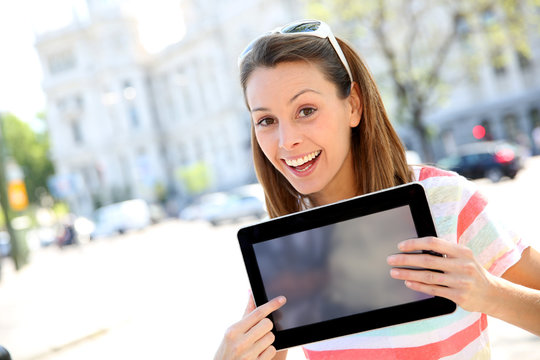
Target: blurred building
(128, 124)
(499, 98)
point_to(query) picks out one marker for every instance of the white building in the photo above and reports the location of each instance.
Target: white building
(502, 94)
(127, 124)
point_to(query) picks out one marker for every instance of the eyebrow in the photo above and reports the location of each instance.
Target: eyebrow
(290, 101)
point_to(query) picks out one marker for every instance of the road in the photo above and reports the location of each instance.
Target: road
(170, 291)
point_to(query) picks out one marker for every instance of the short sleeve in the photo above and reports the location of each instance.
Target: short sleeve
(483, 229)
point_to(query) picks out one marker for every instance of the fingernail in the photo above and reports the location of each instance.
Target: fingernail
(401, 245)
(391, 259)
(394, 272)
(281, 299)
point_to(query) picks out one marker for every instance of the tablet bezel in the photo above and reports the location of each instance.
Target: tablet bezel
(411, 194)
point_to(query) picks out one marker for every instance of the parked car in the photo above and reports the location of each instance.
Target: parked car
(202, 205)
(121, 217)
(487, 159)
(243, 202)
(236, 208)
(246, 201)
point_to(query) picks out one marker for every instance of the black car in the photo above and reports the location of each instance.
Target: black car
(487, 159)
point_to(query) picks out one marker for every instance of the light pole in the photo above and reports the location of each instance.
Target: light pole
(4, 205)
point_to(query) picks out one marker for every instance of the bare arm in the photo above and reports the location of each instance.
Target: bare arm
(518, 293)
(514, 298)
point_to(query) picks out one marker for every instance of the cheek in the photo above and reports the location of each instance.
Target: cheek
(267, 144)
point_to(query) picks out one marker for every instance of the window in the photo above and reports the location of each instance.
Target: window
(524, 60)
(182, 155)
(462, 26)
(511, 126)
(76, 131)
(534, 115)
(488, 17)
(487, 126)
(498, 61)
(79, 102)
(129, 93)
(61, 61)
(133, 115)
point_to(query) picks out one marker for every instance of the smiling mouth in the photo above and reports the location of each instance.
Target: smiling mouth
(303, 163)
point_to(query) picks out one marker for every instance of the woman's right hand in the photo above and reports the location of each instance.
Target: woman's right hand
(251, 337)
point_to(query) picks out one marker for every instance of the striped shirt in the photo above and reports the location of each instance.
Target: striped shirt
(461, 215)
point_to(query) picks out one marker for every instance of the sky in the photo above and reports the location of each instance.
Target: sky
(20, 69)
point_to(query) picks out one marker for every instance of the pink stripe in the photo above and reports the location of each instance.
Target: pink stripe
(428, 172)
(447, 347)
(469, 213)
(509, 259)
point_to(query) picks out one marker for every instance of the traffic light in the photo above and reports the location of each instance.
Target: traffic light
(479, 132)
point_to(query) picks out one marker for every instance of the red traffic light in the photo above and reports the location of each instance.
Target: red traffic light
(479, 132)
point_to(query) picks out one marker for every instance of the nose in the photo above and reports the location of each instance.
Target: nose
(290, 135)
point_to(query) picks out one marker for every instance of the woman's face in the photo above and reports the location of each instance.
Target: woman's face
(304, 128)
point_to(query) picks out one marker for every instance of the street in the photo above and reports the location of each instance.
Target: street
(170, 291)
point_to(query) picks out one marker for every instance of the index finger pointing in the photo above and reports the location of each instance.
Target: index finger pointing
(262, 311)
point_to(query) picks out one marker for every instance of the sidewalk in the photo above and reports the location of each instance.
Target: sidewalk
(84, 303)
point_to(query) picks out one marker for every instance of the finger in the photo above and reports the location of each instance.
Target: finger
(426, 277)
(434, 290)
(424, 261)
(260, 313)
(260, 329)
(250, 305)
(262, 345)
(268, 354)
(434, 244)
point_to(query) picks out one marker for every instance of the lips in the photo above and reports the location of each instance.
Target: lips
(304, 163)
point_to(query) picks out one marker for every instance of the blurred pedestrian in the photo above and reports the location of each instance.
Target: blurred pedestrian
(320, 134)
(536, 139)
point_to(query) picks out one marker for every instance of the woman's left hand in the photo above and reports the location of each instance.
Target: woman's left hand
(463, 280)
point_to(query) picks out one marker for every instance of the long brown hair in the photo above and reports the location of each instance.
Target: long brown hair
(378, 154)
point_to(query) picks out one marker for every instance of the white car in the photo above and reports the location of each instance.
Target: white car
(121, 217)
(242, 202)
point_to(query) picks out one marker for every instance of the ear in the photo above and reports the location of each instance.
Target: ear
(355, 104)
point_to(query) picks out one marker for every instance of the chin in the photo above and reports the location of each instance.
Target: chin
(305, 189)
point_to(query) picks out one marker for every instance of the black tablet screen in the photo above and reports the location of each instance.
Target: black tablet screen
(336, 270)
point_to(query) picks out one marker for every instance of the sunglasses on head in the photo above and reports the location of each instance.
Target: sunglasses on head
(304, 27)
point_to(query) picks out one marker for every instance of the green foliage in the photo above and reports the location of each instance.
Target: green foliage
(427, 46)
(30, 150)
(60, 209)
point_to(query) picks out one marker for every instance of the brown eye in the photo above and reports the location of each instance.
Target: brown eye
(307, 111)
(265, 122)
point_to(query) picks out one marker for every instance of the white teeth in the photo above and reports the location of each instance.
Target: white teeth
(302, 161)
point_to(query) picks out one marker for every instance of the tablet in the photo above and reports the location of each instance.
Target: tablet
(330, 264)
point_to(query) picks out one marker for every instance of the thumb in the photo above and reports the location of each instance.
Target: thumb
(250, 305)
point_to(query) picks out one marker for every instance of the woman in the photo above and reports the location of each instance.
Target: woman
(320, 134)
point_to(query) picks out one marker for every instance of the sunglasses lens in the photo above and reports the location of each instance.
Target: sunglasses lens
(301, 28)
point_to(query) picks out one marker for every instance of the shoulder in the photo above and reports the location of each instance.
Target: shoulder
(426, 172)
(448, 189)
(432, 177)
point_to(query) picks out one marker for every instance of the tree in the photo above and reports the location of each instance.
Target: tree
(424, 43)
(30, 150)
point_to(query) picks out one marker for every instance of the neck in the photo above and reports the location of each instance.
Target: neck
(342, 187)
